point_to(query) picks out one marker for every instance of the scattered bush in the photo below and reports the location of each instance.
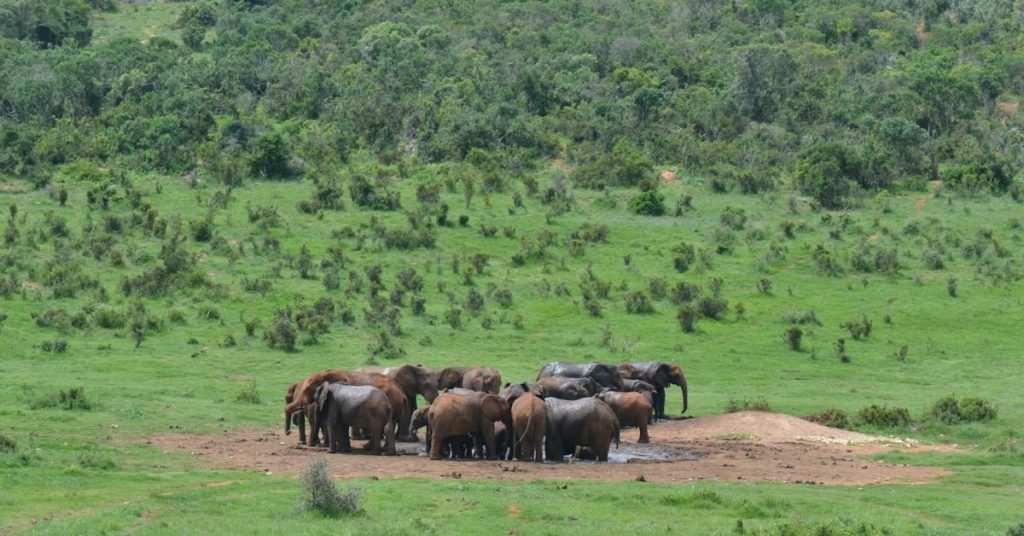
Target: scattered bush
(808, 317)
(683, 256)
(832, 417)
(859, 329)
(504, 297)
(687, 317)
(58, 346)
(649, 203)
(684, 293)
(764, 286)
(794, 336)
(249, 395)
(638, 303)
(713, 308)
(322, 496)
(474, 301)
(884, 416)
(949, 410)
(108, 318)
(951, 287)
(72, 399)
(734, 406)
(7, 445)
(282, 334)
(453, 317)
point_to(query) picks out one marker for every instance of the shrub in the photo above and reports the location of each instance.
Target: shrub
(824, 172)
(249, 395)
(58, 346)
(108, 318)
(419, 305)
(202, 230)
(384, 346)
(683, 256)
(208, 313)
(684, 293)
(365, 194)
(833, 417)
(281, 335)
(884, 416)
(808, 317)
(859, 329)
(1015, 530)
(794, 336)
(713, 308)
(593, 307)
(658, 288)
(638, 303)
(321, 495)
(733, 218)
(649, 203)
(764, 286)
(72, 399)
(474, 301)
(687, 317)
(408, 279)
(504, 297)
(7, 445)
(733, 406)
(453, 317)
(949, 410)
(951, 287)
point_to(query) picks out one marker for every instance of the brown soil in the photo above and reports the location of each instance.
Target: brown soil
(749, 446)
(668, 177)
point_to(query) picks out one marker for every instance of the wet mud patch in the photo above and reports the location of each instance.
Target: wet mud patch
(747, 446)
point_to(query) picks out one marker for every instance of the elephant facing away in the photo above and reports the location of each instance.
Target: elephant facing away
(640, 386)
(458, 413)
(529, 422)
(603, 374)
(450, 377)
(365, 407)
(632, 409)
(660, 375)
(587, 422)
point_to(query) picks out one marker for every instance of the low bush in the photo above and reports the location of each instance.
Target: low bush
(949, 410)
(884, 416)
(734, 406)
(321, 495)
(833, 417)
(638, 303)
(649, 203)
(72, 399)
(7, 445)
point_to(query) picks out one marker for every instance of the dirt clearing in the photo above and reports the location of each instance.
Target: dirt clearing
(745, 446)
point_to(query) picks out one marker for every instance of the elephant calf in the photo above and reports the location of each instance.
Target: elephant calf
(456, 414)
(341, 406)
(567, 388)
(632, 409)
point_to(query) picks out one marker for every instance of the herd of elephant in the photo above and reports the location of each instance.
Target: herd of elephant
(570, 410)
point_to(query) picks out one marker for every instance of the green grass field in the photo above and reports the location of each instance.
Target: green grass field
(89, 471)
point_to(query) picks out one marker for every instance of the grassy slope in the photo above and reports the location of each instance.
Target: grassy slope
(170, 383)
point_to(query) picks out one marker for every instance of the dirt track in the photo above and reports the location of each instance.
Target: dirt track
(749, 446)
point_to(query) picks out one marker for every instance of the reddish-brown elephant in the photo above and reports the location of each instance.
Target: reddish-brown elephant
(529, 420)
(456, 414)
(660, 375)
(415, 380)
(632, 409)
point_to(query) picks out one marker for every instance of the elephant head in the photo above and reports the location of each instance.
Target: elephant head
(676, 377)
(495, 408)
(320, 395)
(426, 382)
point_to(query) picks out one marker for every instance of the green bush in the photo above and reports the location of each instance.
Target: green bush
(7, 445)
(734, 406)
(649, 203)
(322, 496)
(72, 399)
(832, 417)
(949, 410)
(884, 416)
(638, 303)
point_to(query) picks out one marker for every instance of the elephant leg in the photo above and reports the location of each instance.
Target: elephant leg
(659, 403)
(492, 454)
(346, 442)
(376, 431)
(644, 438)
(435, 446)
(601, 450)
(389, 439)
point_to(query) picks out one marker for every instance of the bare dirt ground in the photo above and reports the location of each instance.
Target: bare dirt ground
(745, 446)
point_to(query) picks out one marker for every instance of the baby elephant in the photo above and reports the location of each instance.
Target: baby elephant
(341, 406)
(632, 409)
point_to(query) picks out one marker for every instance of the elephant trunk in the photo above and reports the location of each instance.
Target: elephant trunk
(682, 386)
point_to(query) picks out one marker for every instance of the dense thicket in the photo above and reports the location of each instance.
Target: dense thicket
(836, 94)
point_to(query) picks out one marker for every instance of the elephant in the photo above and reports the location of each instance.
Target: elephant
(450, 377)
(587, 422)
(304, 396)
(566, 388)
(640, 386)
(512, 391)
(603, 374)
(299, 417)
(340, 406)
(632, 409)
(529, 421)
(414, 380)
(483, 379)
(456, 447)
(660, 375)
(457, 413)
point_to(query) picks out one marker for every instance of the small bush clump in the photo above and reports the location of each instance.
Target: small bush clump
(7, 445)
(734, 406)
(884, 416)
(833, 417)
(72, 399)
(638, 303)
(321, 495)
(949, 410)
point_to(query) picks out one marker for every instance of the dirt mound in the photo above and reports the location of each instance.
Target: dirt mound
(771, 428)
(739, 446)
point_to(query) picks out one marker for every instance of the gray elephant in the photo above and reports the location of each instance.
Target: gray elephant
(587, 422)
(450, 377)
(640, 386)
(414, 380)
(566, 388)
(341, 406)
(603, 374)
(660, 375)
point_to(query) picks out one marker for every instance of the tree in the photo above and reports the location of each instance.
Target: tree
(762, 81)
(824, 172)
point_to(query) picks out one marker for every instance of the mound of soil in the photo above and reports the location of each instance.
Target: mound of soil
(750, 446)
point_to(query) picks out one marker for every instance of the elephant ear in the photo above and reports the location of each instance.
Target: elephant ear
(321, 396)
(494, 407)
